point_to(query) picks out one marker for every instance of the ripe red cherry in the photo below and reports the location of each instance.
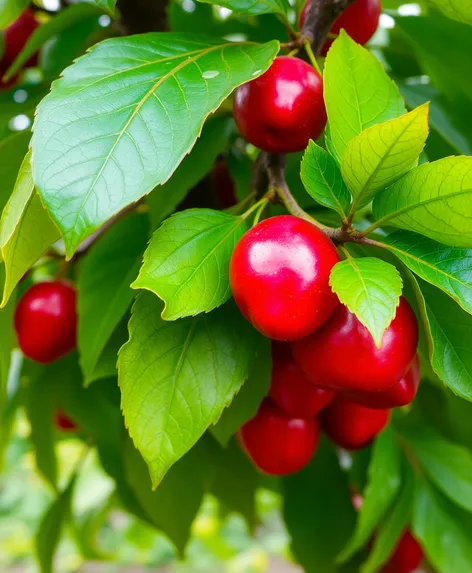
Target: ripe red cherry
(46, 321)
(290, 389)
(279, 276)
(15, 38)
(63, 422)
(342, 354)
(400, 394)
(407, 556)
(350, 425)
(360, 20)
(279, 444)
(283, 109)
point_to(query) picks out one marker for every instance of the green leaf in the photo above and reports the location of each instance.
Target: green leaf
(448, 465)
(371, 289)
(393, 526)
(10, 10)
(104, 292)
(107, 5)
(110, 123)
(318, 511)
(460, 10)
(448, 268)
(9, 404)
(50, 528)
(383, 153)
(254, 7)
(187, 261)
(322, 179)
(177, 377)
(7, 341)
(358, 92)
(174, 505)
(383, 485)
(106, 365)
(26, 230)
(12, 151)
(214, 139)
(445, 541)
(435, 200)
(247, 401)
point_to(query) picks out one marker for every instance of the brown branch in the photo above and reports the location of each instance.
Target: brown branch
(319, 20)
(139, 16)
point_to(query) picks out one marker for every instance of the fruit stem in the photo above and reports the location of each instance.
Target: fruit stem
(259, 206)
(312, 57)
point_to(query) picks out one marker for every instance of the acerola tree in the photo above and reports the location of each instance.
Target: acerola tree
(214, 239)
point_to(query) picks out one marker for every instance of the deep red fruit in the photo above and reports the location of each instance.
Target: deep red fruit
(279, 444)
(342, 354)
(283, 109)
(46, 321)
(291, 390)
(351, 426)
(63, 422)
(279, 276)
(360, 20)
(400, 394)
(407, 556)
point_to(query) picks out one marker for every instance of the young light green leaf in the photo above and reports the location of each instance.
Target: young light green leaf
(435, 200)
(384, 482)
(26, 230)
(448, 268)
(254, 7)
(187, 261)
(120, 120)
(371, 289)
(358, 92)
(460, 10)
(383, 153)
(322, 179)
(104, 291)
(10, 10)
(177, 377)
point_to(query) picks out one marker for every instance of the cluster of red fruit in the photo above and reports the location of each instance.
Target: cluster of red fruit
(279, 276)
(283, 109)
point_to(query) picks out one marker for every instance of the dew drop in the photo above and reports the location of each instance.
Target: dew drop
(256, 73)
(209, 74)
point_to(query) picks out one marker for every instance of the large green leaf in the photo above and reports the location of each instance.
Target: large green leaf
(460, 10)
(187, 261)
(10, 10)
(104, 292)
(448, 268)
(322, 179)
(26, 230)
(435, 200)
(383, 485)
(12, 151)
(318, 511)
(254, 6)
(381, 154)
(371, 289)
(7, 341)
(120, 120)
(177, 377)
(106, 365)
(358, 92)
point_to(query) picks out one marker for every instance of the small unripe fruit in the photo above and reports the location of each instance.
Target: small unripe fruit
(400, 394)
(279, 276)
(63, 422)
(46, 321)
(350, 425)
(342, 354)
(291, 390)
(407, 556)
(277, 443)
(283, 109)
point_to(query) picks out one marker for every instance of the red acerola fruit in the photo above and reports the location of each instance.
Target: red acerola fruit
(360, 20)
(342, 354)
(290, 389)
(350, 425)
(400, 394)
(279, 444)
(46, 321)
(279, 276)
(407, 556)
(63, 422)
(283, 109)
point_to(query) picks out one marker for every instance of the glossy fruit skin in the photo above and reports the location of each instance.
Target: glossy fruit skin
(407, 556)
(283, 109)
(360, 20)
(290, 389)
(279, 275)
(400, 394)
(350, 425)
(279, 444)
(63, 422)
(46, 321)
(342, 354)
